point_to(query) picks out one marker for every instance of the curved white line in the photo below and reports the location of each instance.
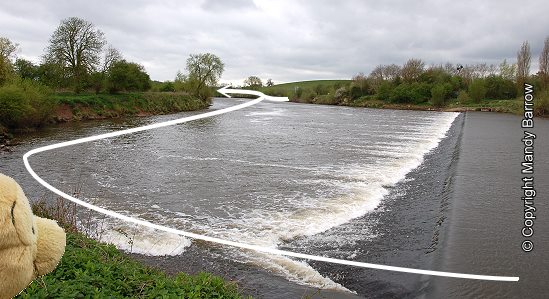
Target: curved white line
(217, 240)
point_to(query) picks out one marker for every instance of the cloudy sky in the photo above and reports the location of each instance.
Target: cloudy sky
(290, 40)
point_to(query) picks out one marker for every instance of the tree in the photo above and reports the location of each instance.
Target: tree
(112, 55)
(360, 81)
(507, 71)
(127, 76)
(391, 72)
(523, 64)
(412, 69)
(269, 82)
(477, 90)
(76, 45)
(204, 70)
(26, 69)
(180, 82)
(544, 64)
(438, 94)
(7, 53)
(253, 82)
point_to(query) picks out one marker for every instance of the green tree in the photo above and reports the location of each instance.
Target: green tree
(26, 69)
(76, 45)
(204, 70)
(508, 71)
(7, 53)
(477, 90)
(438, 95)
(180, 82)
(127, 76)
(52, 74)
(253, 82)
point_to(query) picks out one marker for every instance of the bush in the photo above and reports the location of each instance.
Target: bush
(541, 104)
(411, 93)
(463, 97)
(25, 104)
(167, 87)
(341, 93)
(477, 90)
(438, 94)
(384, 91)
(127, 76)
(499, 88)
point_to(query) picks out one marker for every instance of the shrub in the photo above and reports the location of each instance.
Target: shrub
(499, 88)
(438, 94)
(541, 104)
(25, 104)
(411, 93)
(384, 91)
(463, 97)
(341, 93)
(477, 90)
(127, 76)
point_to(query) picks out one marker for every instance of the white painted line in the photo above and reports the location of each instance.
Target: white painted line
(217, 240)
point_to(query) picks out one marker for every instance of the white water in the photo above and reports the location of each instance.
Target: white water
(300, 172)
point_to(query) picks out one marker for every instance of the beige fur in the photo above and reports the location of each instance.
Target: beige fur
(24, 254)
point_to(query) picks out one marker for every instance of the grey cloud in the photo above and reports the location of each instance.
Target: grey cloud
(291, 40)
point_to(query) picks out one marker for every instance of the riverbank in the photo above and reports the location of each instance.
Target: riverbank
(70, 107)
(92, 268)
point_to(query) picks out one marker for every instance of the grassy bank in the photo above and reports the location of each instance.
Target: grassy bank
(97, 106)
(25, 104)
(90, 269)
(346, 93)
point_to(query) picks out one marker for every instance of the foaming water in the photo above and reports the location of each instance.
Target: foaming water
(300, 171)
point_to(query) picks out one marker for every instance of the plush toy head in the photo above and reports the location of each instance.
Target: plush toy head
(30, 246)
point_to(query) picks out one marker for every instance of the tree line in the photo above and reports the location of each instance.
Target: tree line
(416, 83)
(78, 58)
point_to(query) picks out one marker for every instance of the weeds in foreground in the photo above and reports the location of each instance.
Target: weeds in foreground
(91, 269)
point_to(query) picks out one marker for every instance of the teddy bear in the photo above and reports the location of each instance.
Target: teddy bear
(30, 246)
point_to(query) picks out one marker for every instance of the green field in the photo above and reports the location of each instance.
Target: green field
(288, 89)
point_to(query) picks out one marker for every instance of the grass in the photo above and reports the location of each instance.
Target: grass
(288, 89)
(89, 106)
(90, 269)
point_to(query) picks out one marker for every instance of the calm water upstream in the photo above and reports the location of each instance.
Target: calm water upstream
(360, 184)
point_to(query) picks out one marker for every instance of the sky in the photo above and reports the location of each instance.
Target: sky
(290, 40)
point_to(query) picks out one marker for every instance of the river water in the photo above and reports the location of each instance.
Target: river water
(359, 184)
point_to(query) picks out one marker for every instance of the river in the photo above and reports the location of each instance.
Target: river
(359, 184)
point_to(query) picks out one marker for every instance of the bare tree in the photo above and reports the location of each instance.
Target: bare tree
(376, 76)
(412, 69)
(112, 55)
(391, 72)
(269, 82)
(450, 68)
(523, 64)
(544, 64)
(361, 82)
(76, 45)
